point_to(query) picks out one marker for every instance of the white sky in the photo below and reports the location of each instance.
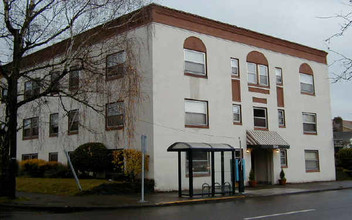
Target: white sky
(294, 20)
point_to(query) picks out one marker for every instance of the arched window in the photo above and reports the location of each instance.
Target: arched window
(306, 79)
(195, 57)
(257, 66)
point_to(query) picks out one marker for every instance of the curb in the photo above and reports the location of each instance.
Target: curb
(67, 209)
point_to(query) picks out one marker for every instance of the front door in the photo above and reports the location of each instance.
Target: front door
(262, 164)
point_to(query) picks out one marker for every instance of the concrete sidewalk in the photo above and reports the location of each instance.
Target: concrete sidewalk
(89, 202)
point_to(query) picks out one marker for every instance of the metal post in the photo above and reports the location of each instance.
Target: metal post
(144, 149)
(212, 174)
(222, 172)
(240, 170)
(233, 174)
(73, 171)
(190, 173)
(179, 175)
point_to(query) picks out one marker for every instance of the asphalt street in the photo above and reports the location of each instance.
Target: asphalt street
(323, 205)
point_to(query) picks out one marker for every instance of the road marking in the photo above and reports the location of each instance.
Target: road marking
(278, 214)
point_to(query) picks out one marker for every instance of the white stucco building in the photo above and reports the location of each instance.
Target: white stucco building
(209, 82)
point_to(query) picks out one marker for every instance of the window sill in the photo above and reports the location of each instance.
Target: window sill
(258, 85)
(306, 93)
(310, 133)
(114, 128)
(235, 77)
(237, 123)
(72, 132)
(30, 138)
(262, 129)
(197, 126)
(284, 166)
(53, 135)
(196, 75)
(282, 126)
(312, 171)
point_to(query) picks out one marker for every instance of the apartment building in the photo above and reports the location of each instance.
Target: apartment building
(202, 81)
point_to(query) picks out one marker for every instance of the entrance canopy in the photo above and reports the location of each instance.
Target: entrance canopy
(186, 146)
(265, 139)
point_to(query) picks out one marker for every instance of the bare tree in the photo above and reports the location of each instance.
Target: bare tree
(77, 31)
(343, 60)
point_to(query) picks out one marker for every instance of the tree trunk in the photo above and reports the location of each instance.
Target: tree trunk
(9, 170)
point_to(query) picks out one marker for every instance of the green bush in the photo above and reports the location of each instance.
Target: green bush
(91, 157)
(282, 175)
(42, 168)
(344, 158)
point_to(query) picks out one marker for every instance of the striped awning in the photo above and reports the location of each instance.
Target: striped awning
(265, 139)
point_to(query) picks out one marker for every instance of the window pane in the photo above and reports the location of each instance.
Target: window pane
(281, 114)
(306, 78)
(278, 73)
(234, 67)
(195, 106)
(236, 109)
(308, 88)
(194, 67)
(259, 113)
(309, 127)
(194, 56)
(259, 122)
(251, 68)
(309, 117)
(196, 119)
(115, 59)
(263, 75)
(74, 79)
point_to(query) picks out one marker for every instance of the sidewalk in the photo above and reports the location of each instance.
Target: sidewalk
(89, 202)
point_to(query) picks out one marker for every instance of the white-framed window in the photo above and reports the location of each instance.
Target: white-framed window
(73, 79)
(195, 62)
(114, 115)
(281, 114)
(260, 118)
(53, 156)
(312, 160)
(236, 111)
(29, 156)
(73, 121)
(278, 73)
(54, 125)
(234, 67)
(252, 73)
(54, 80)
(30, 128)
(307, 83)
(31, 88)
(283, 158)
(201, 163)
(115, 64)
(258, 74)
(196, 113)
(309, 122)
(263, 75)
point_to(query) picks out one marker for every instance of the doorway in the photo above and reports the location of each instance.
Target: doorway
(262, 164)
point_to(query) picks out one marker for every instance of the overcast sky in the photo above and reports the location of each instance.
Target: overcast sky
(301, 21)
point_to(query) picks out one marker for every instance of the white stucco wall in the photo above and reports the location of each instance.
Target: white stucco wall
(92, 128)
(171, 87)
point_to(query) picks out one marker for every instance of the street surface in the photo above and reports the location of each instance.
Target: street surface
(323, 205)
